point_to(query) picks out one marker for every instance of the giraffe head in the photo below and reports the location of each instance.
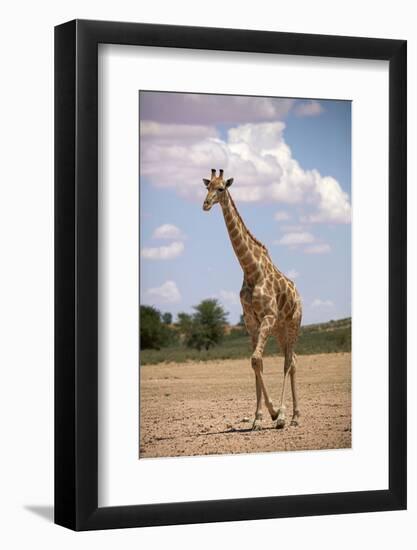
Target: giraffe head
(216, 188)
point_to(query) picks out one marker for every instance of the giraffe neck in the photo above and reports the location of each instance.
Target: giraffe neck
(247, 249)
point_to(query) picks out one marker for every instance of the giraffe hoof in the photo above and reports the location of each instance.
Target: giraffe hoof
(257, 425)
(280, 423)
(281, 417)
(294, 420)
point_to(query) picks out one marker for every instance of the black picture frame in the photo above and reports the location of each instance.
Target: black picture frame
(76, 272)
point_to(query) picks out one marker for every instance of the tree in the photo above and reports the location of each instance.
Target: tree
(207, 325)
(167, 318)
(155, 333)
(151, 333)
(184, 322)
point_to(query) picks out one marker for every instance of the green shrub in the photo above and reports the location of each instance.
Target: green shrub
(154, 334)
(321, 338)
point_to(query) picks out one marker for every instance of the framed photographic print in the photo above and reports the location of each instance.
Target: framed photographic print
(230, 338)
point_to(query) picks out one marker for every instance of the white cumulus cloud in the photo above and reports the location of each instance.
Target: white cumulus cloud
(292, 228)
(321, 303)
(211, 109)
(169, 132)
(308, 108)
(323, 248)
(295, 239)
(332, 203)
(281, 216)
(167, 293)
(168, 252)
(167, 231)
(293, 274)
(255, 154)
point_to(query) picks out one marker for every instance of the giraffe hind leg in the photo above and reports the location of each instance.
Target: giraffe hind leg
(294, 330)
(296, 411)
(288, 364)
(286, 340)
(252, 327)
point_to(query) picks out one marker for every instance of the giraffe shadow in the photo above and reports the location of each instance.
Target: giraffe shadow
(238, 431)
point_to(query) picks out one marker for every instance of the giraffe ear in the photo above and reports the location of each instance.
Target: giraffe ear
(206, 182)
(229, 182)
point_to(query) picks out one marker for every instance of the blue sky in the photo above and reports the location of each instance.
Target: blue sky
(291, 164)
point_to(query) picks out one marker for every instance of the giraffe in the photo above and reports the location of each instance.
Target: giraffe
(270, 301)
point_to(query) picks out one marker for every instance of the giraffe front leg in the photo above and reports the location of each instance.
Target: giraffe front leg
(265, 330)
(252, 327)
(257, 423)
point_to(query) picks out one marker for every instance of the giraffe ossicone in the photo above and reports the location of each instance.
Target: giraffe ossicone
(270, 301)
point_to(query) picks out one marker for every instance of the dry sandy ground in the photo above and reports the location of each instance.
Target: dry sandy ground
(207, 407)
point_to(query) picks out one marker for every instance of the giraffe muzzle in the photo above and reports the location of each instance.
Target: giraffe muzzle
(206, 206)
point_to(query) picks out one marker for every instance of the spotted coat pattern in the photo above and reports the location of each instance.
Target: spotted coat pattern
(270, 301)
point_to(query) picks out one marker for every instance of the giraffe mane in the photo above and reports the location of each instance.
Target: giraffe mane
(254, 239)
